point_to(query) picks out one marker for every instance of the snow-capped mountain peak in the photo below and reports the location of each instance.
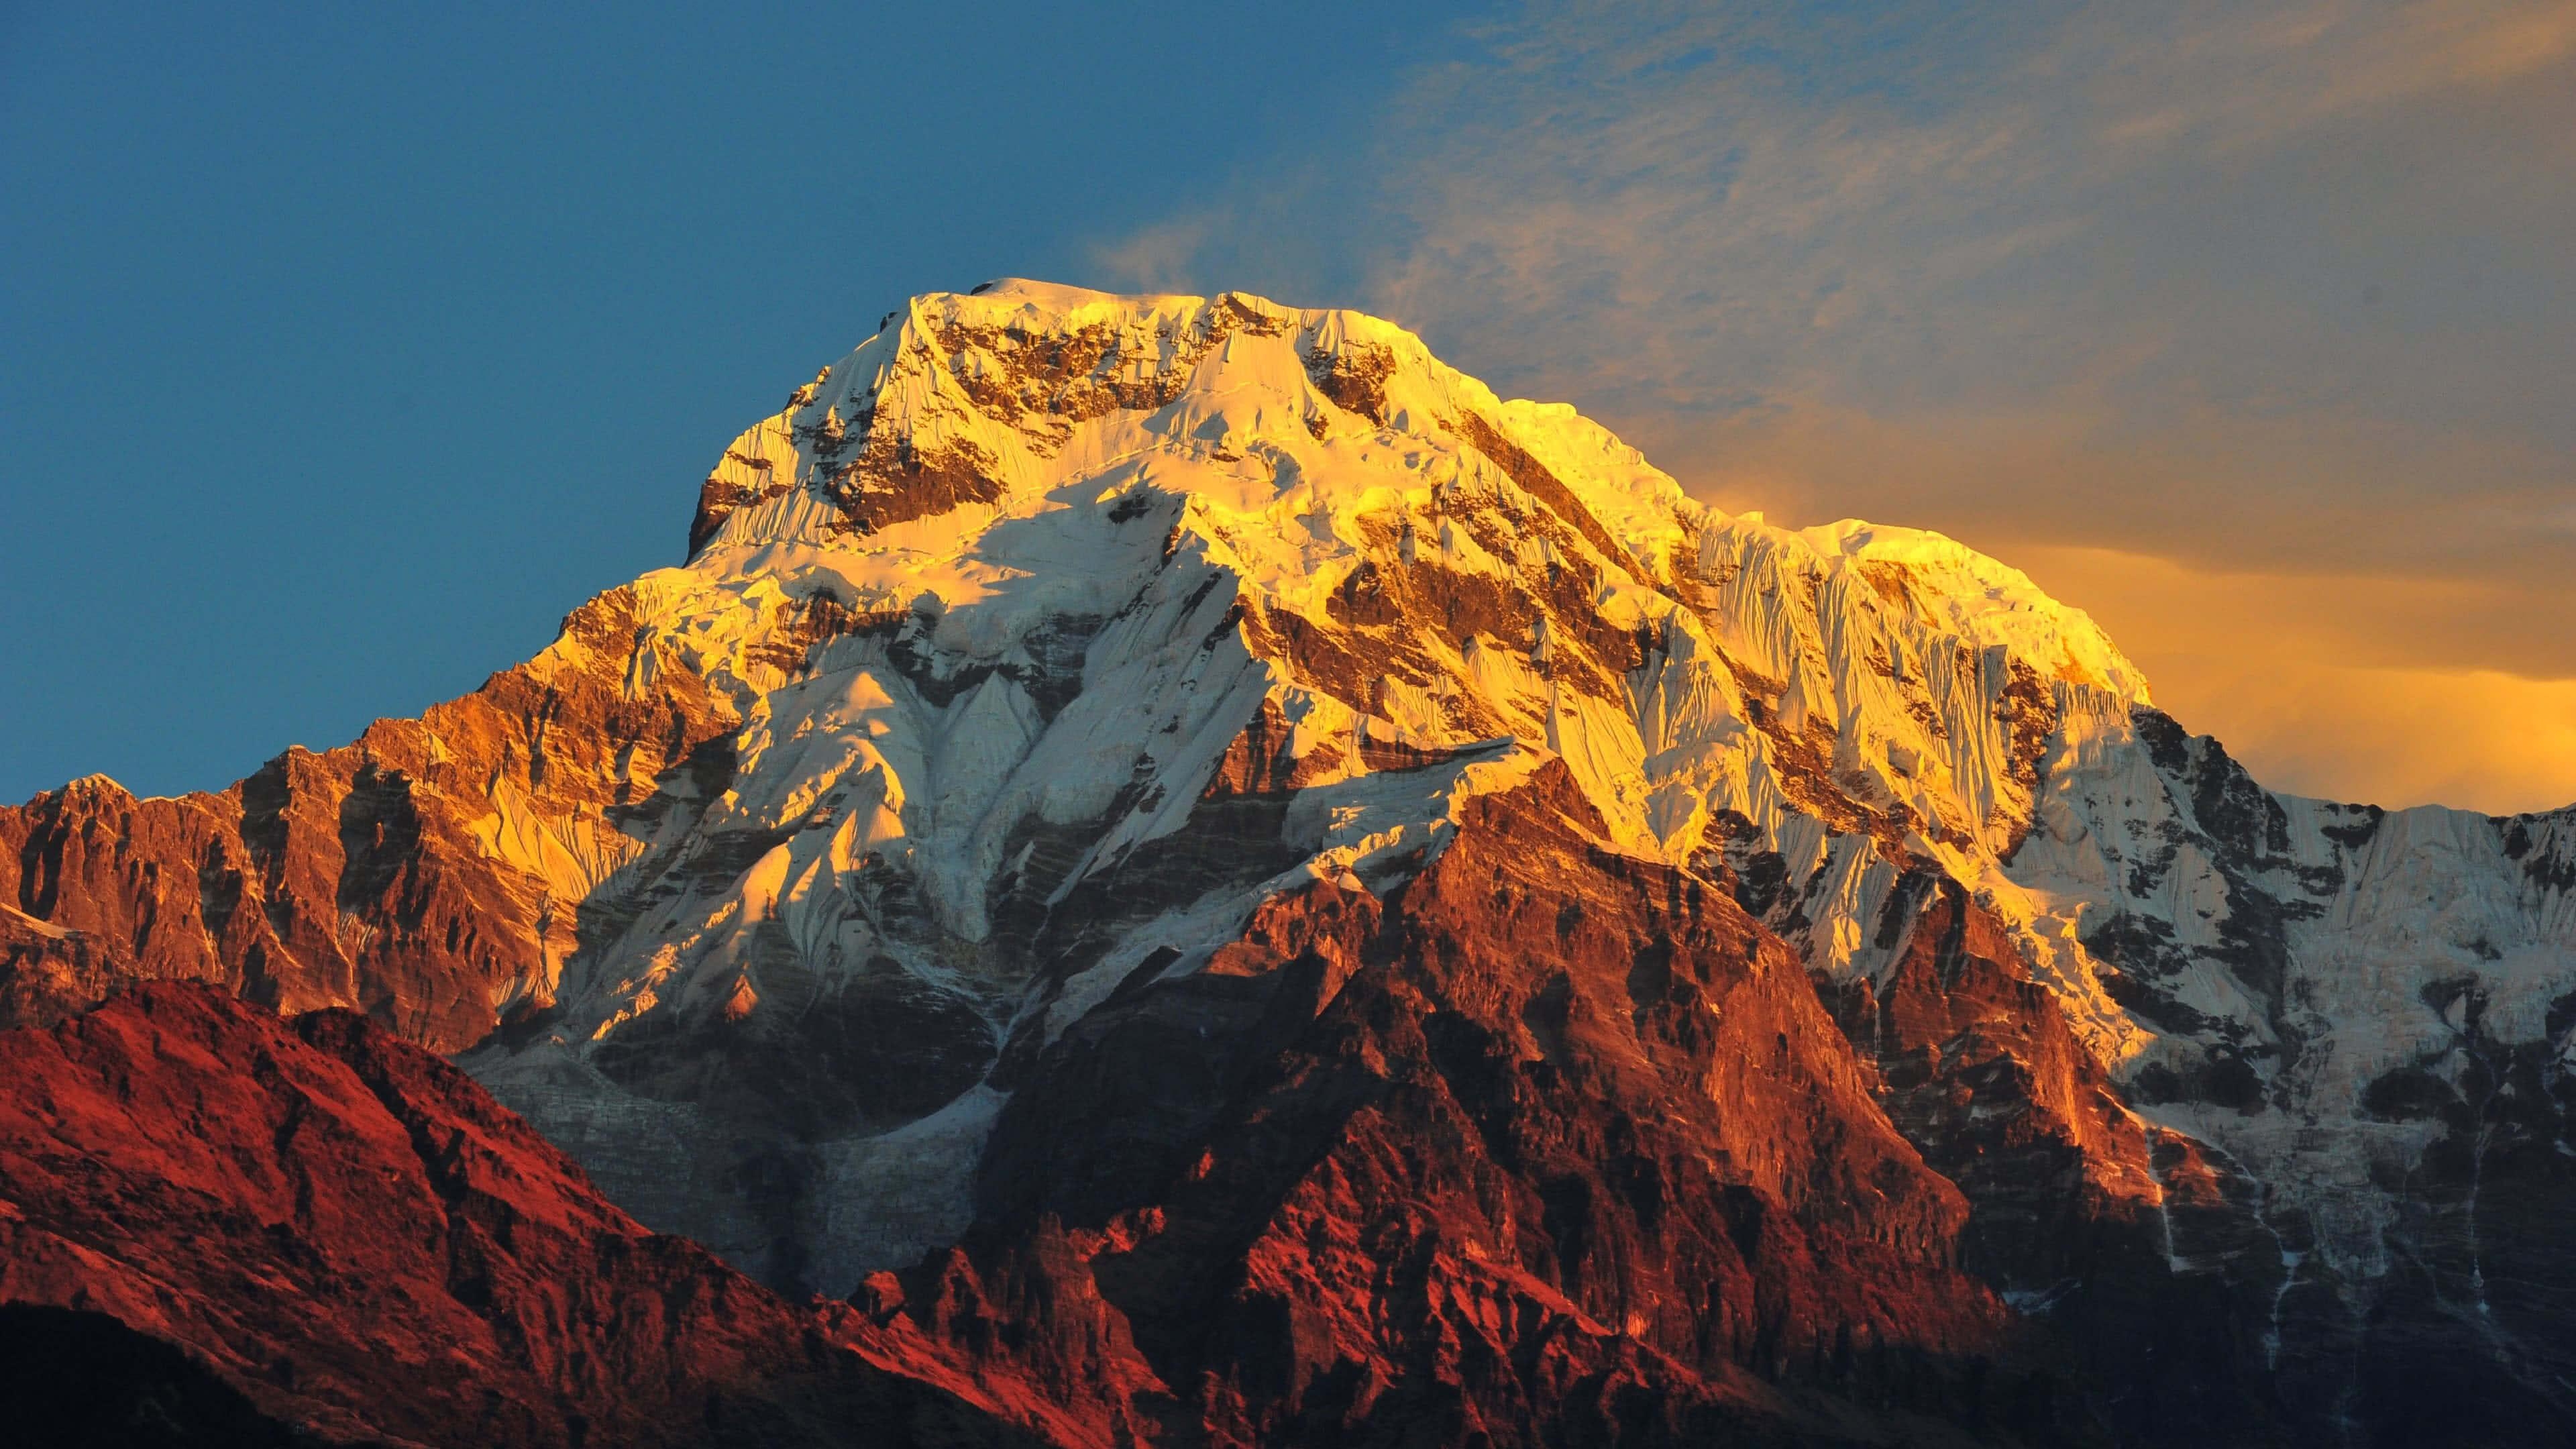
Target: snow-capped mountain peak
(1035, 651)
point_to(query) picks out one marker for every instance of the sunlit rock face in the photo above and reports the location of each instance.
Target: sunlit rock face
(1142, 808)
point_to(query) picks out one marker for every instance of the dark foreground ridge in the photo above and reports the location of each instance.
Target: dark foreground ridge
(1312, 1194)
(220, 1227)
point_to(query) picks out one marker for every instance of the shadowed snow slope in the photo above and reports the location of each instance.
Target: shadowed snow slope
(1042, 644)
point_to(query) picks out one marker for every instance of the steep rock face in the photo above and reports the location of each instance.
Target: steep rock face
(2364, 1018)
(1036, 650)
(1550, 1145)
(435, 874)
(2140, 1254)
(348, 1239)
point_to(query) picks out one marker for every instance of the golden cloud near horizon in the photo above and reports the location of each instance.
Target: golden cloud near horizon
(2271, 664)
(2345, 639)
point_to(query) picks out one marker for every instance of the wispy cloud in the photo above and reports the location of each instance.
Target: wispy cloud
(2267, 288)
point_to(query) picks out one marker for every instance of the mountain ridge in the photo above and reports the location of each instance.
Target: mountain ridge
(351, 1234)
(1036, 647)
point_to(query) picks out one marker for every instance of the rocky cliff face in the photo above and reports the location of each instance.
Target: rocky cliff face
(348, 1240)
(1140, 813)
(433, 874)
(1548, 1144)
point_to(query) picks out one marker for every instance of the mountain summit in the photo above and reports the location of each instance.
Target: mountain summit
(1188, 848)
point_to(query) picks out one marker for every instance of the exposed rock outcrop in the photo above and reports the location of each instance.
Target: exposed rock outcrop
(1549, 1145)
(345, 1238)
(434, 874)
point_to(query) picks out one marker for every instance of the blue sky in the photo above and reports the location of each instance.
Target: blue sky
(344, 349)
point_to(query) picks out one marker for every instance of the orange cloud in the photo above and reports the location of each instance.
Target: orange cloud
(2390, 548)
(2403, 649)
(2309, 680)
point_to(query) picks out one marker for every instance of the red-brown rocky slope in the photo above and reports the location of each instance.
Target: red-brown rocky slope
(2078, 1210)
(1553, 1145)
(347, 1233)
(354, 877)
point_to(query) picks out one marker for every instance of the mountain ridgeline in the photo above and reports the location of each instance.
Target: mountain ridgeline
(1214, 882)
